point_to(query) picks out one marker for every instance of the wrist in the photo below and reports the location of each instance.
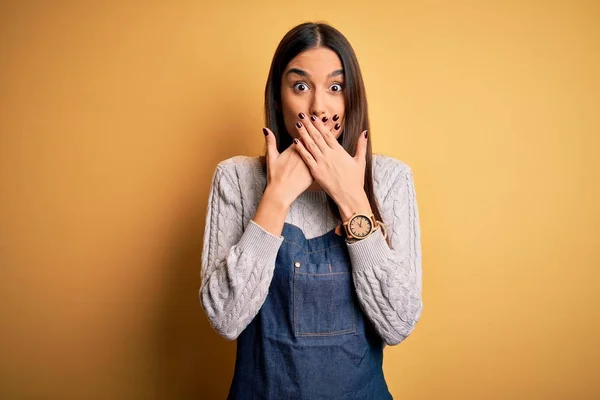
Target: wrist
(271, 212)
(276, 200)
(358, 203)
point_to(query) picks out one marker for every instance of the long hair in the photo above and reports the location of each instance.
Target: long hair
(308, 36)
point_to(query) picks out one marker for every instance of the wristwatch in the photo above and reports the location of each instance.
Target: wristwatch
(359, 226)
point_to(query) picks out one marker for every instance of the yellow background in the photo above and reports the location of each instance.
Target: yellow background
(113, 116)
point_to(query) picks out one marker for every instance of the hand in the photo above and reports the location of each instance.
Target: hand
(337, 172)
(287, 174)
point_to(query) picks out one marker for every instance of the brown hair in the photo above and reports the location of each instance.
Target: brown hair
(308, 36)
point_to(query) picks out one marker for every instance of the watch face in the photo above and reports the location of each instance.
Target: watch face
(360, 226)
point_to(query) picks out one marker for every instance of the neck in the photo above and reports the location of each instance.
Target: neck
(314, 187)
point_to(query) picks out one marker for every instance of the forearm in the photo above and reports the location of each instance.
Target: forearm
(388, 287)
(235, 289)
(388, 276)
(237, 261)
(350, 203)
(272, 211)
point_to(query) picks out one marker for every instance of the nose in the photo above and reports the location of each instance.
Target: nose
(317, 106)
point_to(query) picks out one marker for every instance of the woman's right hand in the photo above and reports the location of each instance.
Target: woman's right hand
(287, 174)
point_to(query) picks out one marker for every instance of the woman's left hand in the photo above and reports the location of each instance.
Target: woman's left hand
(337, 172)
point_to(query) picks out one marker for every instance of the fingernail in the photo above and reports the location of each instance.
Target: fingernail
(324, 119)
(337, 126)
(335, 117)
(265, 131)
(295, 141)
(366, 134)
(301, 115)
(299, 124)
(313, 118)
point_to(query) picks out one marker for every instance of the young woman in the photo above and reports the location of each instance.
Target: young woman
(312, 255)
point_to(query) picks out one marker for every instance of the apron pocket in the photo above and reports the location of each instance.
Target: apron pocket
(323, 300)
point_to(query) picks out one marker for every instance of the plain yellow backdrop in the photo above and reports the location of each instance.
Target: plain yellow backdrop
(113, 116)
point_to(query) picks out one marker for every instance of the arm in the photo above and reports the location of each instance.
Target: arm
(237, 264)
(388, 279)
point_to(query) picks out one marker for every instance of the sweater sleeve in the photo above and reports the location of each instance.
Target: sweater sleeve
(388, 278)
(237, 263)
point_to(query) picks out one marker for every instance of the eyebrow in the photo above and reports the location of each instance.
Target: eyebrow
(302, 72)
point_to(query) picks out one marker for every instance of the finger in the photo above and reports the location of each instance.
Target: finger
(361, 148)
(330, 131)
(272, 152)
(317, 130)
(305, 154)
(336, 128)
(308, 141)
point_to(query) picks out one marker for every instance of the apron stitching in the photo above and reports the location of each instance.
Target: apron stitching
(315, 251)
(331, 274)
(323, 274)
(333, 333)
(331, 297)
(295, 303)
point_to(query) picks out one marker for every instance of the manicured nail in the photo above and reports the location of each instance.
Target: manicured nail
(335, 118)
(337, 126)
(313, 118)
(366, 134)
(324, 119)
(299, 124)
(301, 115)
(295, 141)
(265, 131)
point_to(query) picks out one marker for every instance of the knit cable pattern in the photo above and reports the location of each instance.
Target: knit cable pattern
(388, 279)
(238, 257)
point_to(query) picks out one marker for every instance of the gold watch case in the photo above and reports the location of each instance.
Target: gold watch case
(359, 226)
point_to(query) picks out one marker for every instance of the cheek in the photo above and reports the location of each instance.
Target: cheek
(340, 108)
(291, 106)
(289, 118)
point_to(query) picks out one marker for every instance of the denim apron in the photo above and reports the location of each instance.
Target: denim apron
(310, 339)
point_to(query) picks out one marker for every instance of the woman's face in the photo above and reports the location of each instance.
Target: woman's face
(313, 83)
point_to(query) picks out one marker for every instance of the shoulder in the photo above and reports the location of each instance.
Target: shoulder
(392, 179)
(387, 169)
(240, 166)
(238, 162)
(244, 174)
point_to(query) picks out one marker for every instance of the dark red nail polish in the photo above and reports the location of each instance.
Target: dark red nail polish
(295, 141)
(337, 126)
(335, 117)
(266, 132)
(299, 124)
(301, 115)
(313, 118)
(366, 132)
(324, 119)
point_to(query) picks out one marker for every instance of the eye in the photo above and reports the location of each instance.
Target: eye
(337, 87)
(301, 86)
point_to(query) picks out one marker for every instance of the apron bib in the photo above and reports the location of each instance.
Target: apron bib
(310, 339)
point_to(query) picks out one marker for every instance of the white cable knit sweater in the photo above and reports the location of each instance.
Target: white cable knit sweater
(238, 257)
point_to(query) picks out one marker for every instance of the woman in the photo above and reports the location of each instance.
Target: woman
(311, 256)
